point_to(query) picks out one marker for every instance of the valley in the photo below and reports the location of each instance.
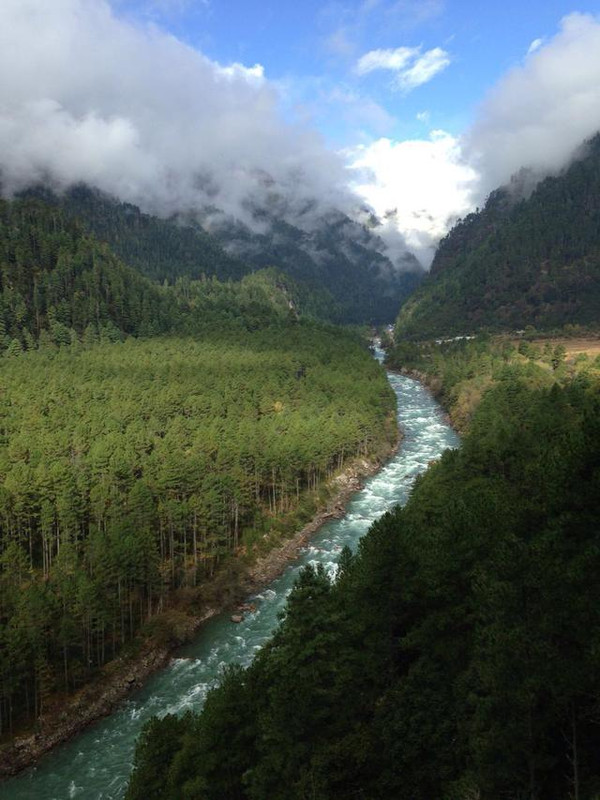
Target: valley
(299, 400)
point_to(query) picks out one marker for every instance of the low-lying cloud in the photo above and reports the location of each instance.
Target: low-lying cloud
(88, 96)
(419, 187)
(536, 117)
(540, 112)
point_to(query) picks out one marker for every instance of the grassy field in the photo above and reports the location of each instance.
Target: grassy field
(573, 347)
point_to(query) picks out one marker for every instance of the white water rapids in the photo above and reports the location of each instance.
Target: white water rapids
(96, 764)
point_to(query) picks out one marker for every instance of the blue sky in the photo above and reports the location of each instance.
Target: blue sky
(311, 49)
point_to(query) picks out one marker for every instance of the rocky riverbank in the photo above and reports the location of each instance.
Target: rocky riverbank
(125, 674)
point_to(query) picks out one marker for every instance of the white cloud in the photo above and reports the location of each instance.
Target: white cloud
(537, 116)
(418, 186)
(540, 112)
(535, 45)
(138, 113)
(395, 60)
(423, 70)
(255, 74)
(411, 66)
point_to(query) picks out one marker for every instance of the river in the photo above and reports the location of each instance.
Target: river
(96, 764)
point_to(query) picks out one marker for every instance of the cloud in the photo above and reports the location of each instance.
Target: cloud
(411, 66)
(255, 74)
(537, 116)
(353, 24)
(139, 114)
(423, 70)
(419, 187)
(540, 112)
(396, 60)
(535, 45)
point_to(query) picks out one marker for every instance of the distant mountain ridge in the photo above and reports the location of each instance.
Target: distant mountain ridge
(339, 259)
(161, 249)
(60, 286)
(338, 253)
(519, 261)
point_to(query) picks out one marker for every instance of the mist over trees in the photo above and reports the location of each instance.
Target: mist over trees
(521, 260)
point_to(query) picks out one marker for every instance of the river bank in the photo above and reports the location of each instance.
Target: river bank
(97, 762)
(126, 674)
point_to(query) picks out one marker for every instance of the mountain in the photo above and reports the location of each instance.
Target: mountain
(332, 251)
(332, 256)
(161, 249)
(522, 260)
(59, 284)
(58, 281)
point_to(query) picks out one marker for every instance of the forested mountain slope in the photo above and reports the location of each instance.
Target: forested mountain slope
(346, 259)
(340, 264)
(456, 656)
(161, 249)
(518, 262)
(61, 285)
(57, 282)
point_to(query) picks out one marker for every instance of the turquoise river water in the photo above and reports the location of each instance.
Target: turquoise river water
(96, 764)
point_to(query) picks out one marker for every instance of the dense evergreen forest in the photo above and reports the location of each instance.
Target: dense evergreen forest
(532, 260)
(131, 470)
(148, 434)
(161, 249)
(340, 268)
(456, 655)
(59, 285)
(56, 283)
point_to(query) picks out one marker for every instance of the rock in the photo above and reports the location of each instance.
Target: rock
(237, 618)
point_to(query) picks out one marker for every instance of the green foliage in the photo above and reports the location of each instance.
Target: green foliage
(457, 654)
(159, 751)
(57, 281)
(130, 471)
(161, 249)
(339, 268)
(461, 371)
(60, 286)
(518, 262)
